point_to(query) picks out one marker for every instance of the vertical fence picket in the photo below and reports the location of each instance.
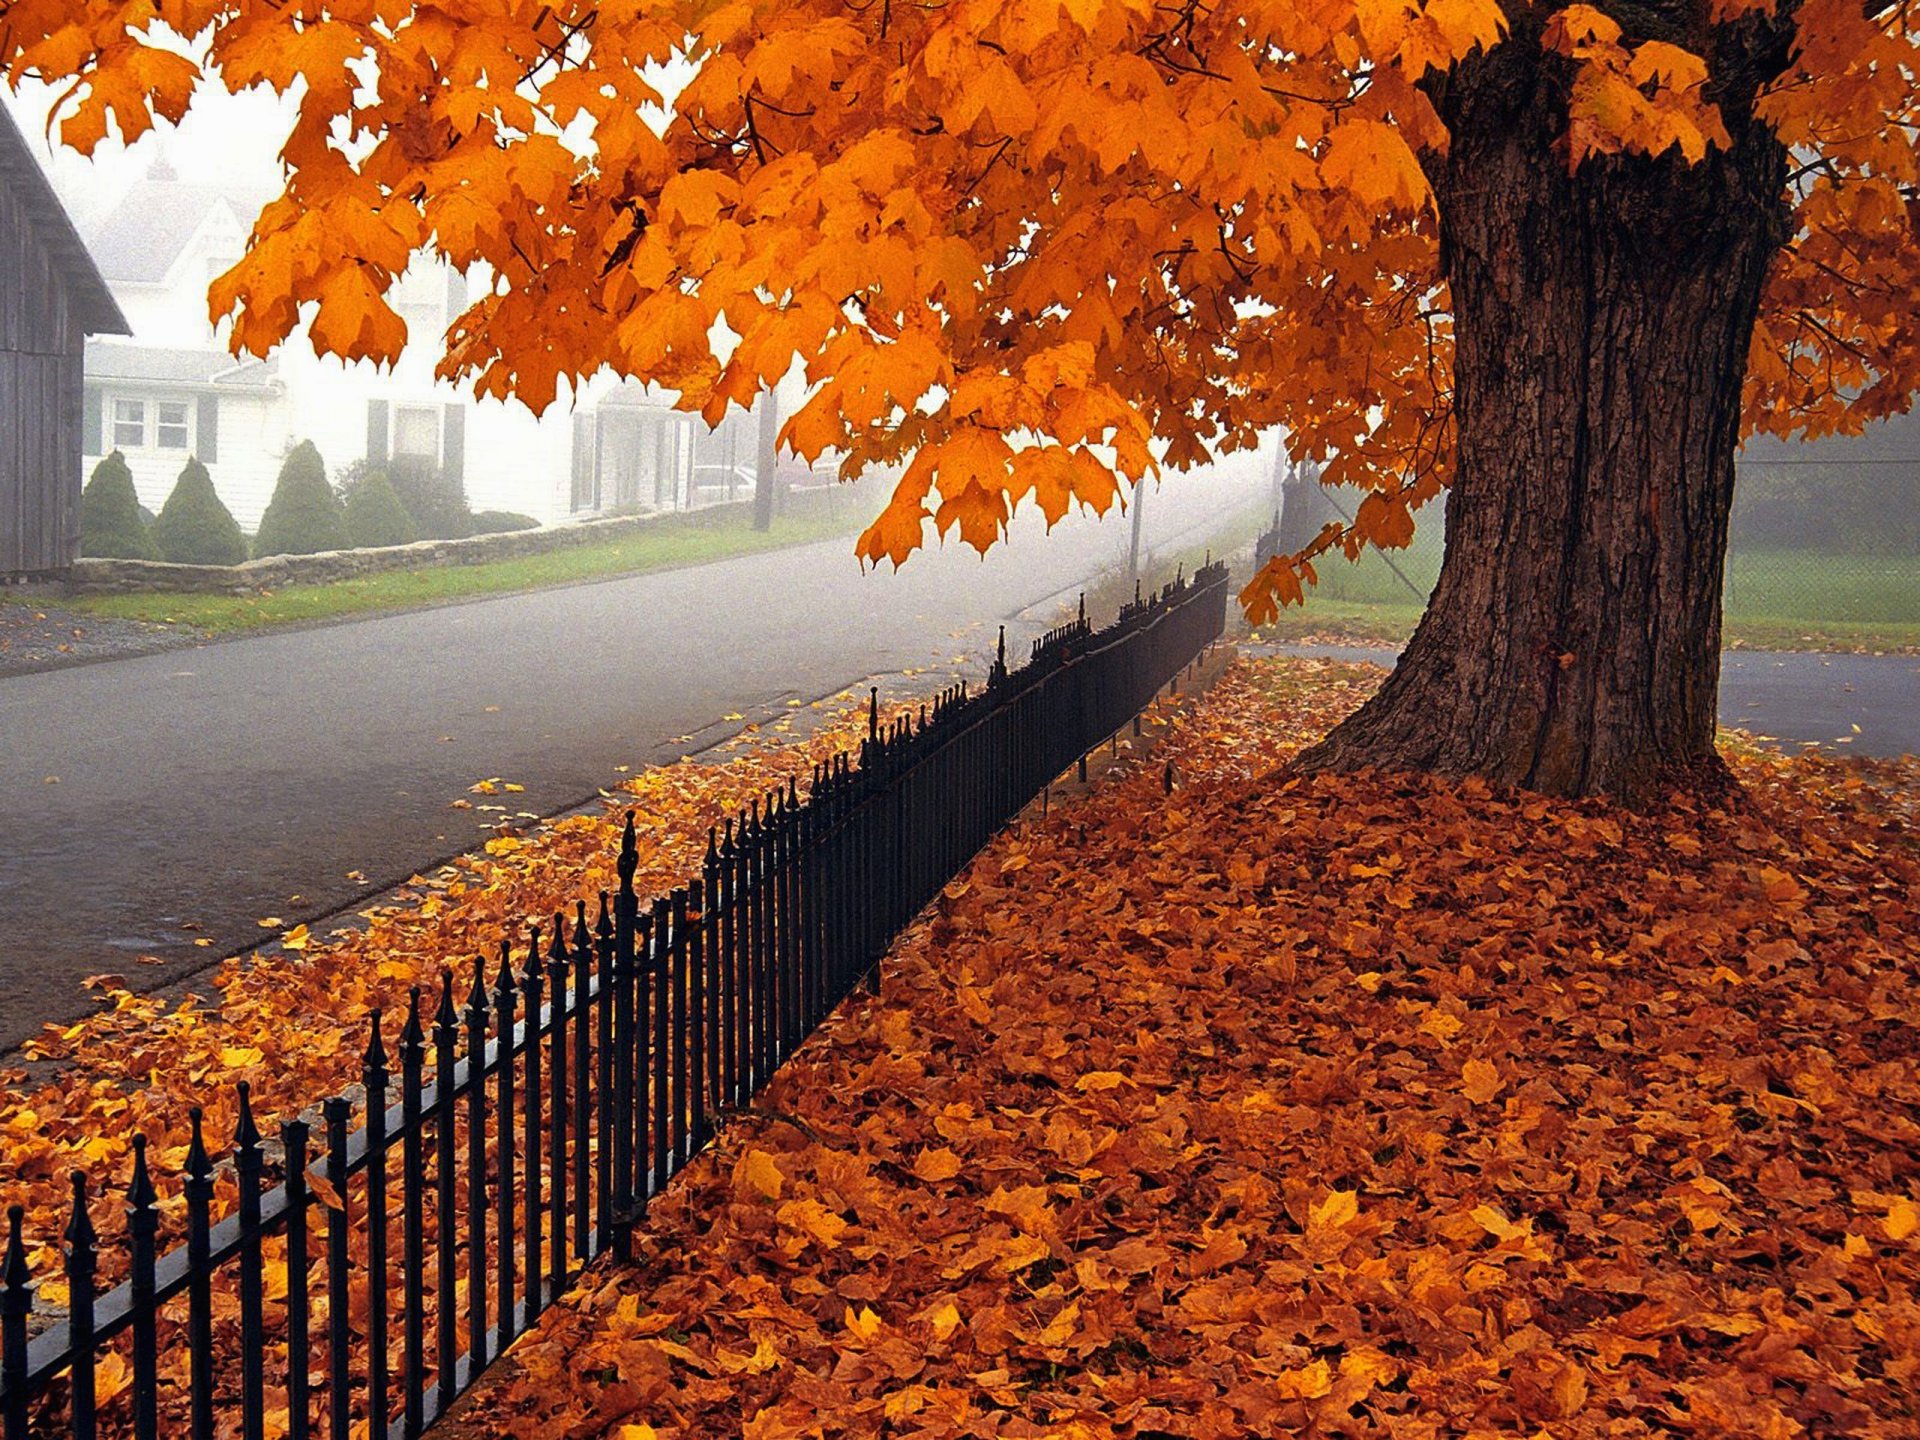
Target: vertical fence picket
(446, 1205)
(727, 907)
(659, 936)
(294, 1135)
(582, 957)
(557, 1108)
(413, 1223)
(694, 1018)
(143, 1226)
(638, 1115)
(197, 1185)
(530, 1100)
(337, 1113)
(476, 1018)
(711, 989)
(248, 1161)
(790, 908)
(751, 902)
(16, 1304)
(503, 1301)
(83, 1259)
(677, 970)
(608, 1116)
(374, 1074)
(627, 1137)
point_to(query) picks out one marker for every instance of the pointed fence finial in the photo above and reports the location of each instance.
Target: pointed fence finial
(629, 853)
(246, 1134)
(503, 982)
(81, 1236)
(873, 712)
(374, 1065)
(199, 1167)
(582, 936)
(410, 1033)
(140, 1191)
(1083, 607)
(443, 1016)
(15, 1274)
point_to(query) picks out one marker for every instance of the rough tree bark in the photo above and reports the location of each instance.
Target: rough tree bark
(1602, 322)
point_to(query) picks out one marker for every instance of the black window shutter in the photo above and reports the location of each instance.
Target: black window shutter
(206, 442)
(376, 432)
(453, 442)
(93, 420)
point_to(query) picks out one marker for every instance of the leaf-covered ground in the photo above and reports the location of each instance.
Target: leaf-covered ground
(293, 1021)
(1357, 1107)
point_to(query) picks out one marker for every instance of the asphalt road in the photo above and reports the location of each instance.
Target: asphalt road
(212, 786)
(1857, 704)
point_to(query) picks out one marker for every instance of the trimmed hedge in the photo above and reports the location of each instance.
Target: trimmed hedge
(375, 516)
(110, 524)
(304, 517)
(194, 527)
(501, 522)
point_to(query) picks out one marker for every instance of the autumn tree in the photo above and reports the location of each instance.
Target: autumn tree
(1554, 258)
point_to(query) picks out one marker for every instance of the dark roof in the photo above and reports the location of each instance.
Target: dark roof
(139, 240)
(93, 304)
(109, 360)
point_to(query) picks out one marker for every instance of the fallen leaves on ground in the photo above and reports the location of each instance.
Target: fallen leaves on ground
(1357, 1106)
(293, 1022)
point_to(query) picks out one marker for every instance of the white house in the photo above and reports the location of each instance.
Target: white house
(173, 389)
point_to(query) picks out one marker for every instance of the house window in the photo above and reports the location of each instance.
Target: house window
(170, 425)
(416, 431)
(420, 299)
(129, 424)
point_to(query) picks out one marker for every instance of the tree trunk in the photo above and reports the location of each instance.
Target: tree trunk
(1602, 322)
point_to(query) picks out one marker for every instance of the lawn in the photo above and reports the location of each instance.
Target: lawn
(1775, 600)
(688, 540)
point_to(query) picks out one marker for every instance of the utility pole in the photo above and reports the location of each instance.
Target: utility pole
(1133, 546)
(765, 460)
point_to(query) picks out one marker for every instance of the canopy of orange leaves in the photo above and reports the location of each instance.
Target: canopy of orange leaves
(1356, 1106)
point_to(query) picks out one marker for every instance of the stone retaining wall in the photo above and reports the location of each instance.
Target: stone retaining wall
(114, 577)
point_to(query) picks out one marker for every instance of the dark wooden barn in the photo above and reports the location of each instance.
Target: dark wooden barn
(51, 299)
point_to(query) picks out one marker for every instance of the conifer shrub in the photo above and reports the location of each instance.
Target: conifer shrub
(110, 523)
(435, 499)
(194, 527)
(375, 514)
(303, 517)
(500, 522)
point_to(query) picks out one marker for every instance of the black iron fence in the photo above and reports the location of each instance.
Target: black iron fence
(522, 1129)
